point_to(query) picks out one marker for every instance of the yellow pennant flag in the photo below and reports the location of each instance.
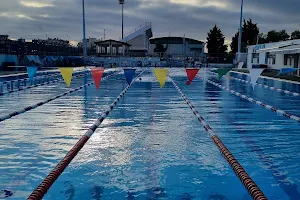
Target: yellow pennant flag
(161, 75)
(66, 73)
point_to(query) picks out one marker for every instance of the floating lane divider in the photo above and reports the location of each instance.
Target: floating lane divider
(265, 86)
(42, 189)
(246, 180)
(10, 115)
(281, 112)
(10, 84)
(44, 83)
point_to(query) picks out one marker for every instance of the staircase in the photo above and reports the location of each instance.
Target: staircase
(144, 30)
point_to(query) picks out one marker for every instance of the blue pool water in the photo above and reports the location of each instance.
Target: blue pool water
(151, 146)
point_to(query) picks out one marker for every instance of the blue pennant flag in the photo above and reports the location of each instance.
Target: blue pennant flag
(286, 71)
(129, 73)
(31, 72)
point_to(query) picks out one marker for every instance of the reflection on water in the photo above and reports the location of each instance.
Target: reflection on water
(151, 146)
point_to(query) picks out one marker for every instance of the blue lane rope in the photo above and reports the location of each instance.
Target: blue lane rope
(266, 106)
(42, 189)
(15, 113)
(246, 180)
(44, 83)
(262, 85)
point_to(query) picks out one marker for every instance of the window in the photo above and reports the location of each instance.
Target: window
(271, 59)
(255, 58)
(289, 59)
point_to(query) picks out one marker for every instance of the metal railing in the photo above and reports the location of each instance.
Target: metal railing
(138, 28)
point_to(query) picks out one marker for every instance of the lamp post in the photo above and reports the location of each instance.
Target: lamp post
(122, 3)
(240, 31)
(84, 39)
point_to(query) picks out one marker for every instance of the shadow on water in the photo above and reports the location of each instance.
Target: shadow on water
(69, 190)
(97, 192)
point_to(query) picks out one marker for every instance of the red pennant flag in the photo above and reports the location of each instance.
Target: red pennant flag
(97, 75)
(191, 73)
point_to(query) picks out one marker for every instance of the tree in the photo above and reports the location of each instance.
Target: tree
(250, 32)
(215, 41)
(274, 36)
(295, 35)
(234, 43)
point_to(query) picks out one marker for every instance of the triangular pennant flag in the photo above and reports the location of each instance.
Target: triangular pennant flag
(161, 75)
(31, 72)
(66, 73)
(191, 74)
(254, 75)
(97, 75)
(129, 73)
(222, 72)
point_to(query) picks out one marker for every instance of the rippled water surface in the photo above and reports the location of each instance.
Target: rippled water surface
(151, 146)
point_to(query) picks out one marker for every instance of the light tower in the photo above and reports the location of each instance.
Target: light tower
(122, 3)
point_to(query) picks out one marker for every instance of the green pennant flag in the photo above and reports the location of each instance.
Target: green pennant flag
(223, 71)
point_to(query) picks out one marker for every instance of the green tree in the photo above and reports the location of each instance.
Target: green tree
(215, 41)
(250, 32)
(295, 35)
(274, 36)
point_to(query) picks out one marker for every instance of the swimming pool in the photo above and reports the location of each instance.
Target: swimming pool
(151, 146)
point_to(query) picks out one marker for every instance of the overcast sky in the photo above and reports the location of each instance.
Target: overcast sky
(194, 18)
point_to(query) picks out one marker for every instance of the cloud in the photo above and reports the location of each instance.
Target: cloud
(194, 18)
(35, 4)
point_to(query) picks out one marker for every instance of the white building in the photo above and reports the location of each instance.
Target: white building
(138, 39)
(178, 46)
(277, 55)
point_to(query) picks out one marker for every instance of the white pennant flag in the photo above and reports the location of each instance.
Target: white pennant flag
(254, 75)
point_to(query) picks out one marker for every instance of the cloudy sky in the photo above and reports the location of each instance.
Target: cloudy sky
(194, 18)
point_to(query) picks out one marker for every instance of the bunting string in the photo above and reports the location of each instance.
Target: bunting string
(281, 112)
(42, 189)
(246, 180)
(15, 113)
(41, 84)
(10, 83)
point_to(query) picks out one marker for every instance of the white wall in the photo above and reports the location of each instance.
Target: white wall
(137, 43)
(279, 60)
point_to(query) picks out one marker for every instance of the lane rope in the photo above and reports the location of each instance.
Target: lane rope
(281, 112)
(45, 185)
(265, 86)
(15, 113)
(43, 83)
(246, 180)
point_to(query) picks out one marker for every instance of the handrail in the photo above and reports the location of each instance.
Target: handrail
(138, 28)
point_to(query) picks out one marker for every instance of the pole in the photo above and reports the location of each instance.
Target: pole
(104, 34)
(240, 31)
(84, 38)
(44, 32)
(122, 21)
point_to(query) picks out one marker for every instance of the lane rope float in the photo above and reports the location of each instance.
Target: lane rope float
(281, 112)
(246, 180)
(265, 86)
(41, 84)
(15, 113)
(45, 185)
(284, 182)
(40, 74)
